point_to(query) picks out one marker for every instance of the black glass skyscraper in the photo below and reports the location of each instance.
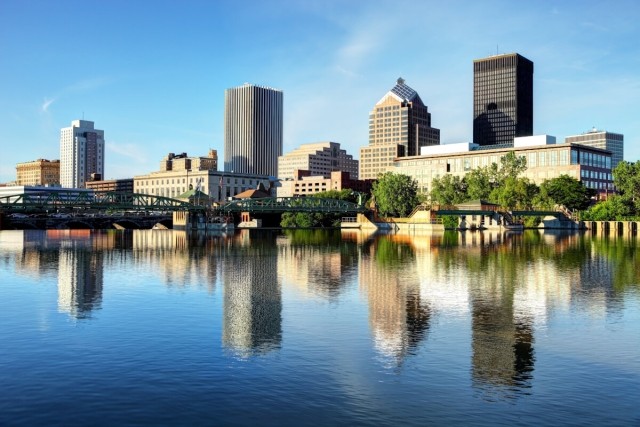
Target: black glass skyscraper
(502, 99)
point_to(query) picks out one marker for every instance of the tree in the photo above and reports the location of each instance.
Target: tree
(309, 219)
(478, 183)
(565, 190)
(448, 190)
(512, 165)
(395, 194)
(515, 193)
(626, 177)
(614, 208)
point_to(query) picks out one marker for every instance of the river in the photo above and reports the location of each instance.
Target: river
(316, 327)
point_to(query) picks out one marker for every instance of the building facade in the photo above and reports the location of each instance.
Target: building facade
(183, 162)
(252, 130)
(219, 186)
(399, 125)
(613, 142)
(119, 185)
(304, 184)
(502, 99)
(38, 172)
(319, 158)
(545, 161)
(81, 153)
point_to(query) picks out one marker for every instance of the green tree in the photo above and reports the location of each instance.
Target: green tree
(448, 190)
(478, 183)
(312, 219)
(515, 193)
(626, 177)
(511, 166)
(614, 208)
(564, 190)
(395, 194)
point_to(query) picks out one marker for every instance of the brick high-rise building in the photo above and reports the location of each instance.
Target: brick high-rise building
(399, 124)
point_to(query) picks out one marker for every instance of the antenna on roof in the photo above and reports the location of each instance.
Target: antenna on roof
(497, 51)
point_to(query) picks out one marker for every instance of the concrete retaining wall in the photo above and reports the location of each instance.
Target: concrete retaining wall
(614, 227)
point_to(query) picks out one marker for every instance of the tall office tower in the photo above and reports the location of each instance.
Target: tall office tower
(252, 129)
(610, 141)
(502, 99)
(399, 125)
(81, 154)
(319, 158)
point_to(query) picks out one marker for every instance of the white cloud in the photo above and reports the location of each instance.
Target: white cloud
(132, 151)
(45, 105)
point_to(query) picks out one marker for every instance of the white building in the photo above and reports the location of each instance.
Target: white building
(545, 160)
(81, 153)
(319, 158)
(252, 129)
(219, 186)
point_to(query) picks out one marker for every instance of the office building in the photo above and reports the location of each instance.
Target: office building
(613, 142)
(502, 99)
(81, 154)
(545, 160)
(305, 184)
(252, 130)
(319, 158)
(218, 185)
(183, 162)
(38, 172)
(115, 185)
(399, 124)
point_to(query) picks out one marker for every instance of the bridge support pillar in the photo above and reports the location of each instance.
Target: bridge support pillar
(181, 220)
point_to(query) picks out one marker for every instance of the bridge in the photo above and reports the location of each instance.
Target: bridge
(73, 201)
(291, 204)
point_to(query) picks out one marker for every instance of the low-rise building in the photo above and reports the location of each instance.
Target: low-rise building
(319, 158)
(218, 185)
(183, 162)
(38, 172)
(304, 184)
(119, 185)
(545, 160)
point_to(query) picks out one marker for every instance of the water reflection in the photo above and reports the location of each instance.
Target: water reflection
(506, 285)
(252, 319)
(398, 317)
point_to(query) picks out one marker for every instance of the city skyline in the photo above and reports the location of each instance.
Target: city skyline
(156, 77)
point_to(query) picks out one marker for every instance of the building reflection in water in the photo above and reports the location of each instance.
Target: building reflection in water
(252, 304)
(398, 317)
(315, 262)
(185, 259)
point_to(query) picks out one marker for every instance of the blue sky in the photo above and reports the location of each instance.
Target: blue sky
(152, 74)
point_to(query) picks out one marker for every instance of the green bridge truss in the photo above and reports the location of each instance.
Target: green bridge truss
(291, 204)
(98, 201)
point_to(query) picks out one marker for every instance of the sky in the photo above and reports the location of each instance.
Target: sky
(152, 74)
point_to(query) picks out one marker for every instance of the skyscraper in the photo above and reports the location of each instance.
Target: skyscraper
(81, 153)
(252, 129)
(399, 125)
(502, 99)
(613, 142)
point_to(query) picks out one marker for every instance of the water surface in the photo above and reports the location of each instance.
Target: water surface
(157, 327)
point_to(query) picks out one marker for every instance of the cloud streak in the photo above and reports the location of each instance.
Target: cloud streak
(46, 104)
